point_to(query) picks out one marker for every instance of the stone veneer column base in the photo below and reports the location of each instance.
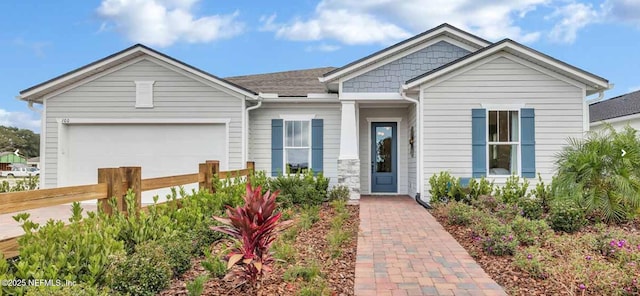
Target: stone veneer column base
(349, 175)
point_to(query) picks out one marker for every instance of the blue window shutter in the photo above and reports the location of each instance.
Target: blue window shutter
(277, 150)
(479, 142)
(528, 143)
(317, 145)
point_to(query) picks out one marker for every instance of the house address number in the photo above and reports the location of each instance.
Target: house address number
(65, 120)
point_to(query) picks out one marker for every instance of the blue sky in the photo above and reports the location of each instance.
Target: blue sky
(42, 39)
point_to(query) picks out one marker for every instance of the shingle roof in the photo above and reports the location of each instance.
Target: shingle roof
(627, 104)
(297, 83)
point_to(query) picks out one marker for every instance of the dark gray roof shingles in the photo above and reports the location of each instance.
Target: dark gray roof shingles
(627, 104)
(297, 83)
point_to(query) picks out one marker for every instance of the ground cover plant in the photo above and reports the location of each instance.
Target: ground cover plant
(540, 240)
(104, 254)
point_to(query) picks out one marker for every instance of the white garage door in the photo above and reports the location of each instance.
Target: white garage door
(160, 149)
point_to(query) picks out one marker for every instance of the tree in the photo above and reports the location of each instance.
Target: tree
(12, 138)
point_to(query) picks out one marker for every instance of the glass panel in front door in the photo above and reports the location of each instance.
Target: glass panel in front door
(384, 136)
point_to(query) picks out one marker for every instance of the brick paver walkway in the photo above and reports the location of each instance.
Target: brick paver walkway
(403, 250)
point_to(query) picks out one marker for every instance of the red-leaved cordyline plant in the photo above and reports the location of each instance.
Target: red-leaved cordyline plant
(254, 225)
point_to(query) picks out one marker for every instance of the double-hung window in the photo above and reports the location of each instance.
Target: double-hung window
(297, 146)
(503, 142)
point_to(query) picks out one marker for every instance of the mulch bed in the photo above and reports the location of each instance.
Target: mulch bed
(311, 246)
(501, 268)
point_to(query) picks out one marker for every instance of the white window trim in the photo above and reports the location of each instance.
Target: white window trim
(518, 143)
(293, 118)
(297, 117)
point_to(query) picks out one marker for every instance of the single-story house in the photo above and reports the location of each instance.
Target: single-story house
(618, 111)
(382, 124)
(7, 159)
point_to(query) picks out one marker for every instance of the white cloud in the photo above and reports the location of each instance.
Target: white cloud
(20, 120)
(323, 47)
(626, 11)
(165, 22)
(341, 25)
(573, 17)
(376, 21)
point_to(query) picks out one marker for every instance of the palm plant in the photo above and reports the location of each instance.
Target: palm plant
(594, 173)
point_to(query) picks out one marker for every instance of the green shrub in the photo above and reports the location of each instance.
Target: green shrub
(77, 289)
(339, 192)
(79, 252)
(196, 286)
(145, 272)
(478, 188)
(440, 185)
(513, 190)
(214, 265)
(530, 232)
(566, 217)
(543, 194)
(300, 189)
(593, 173)
(500, 241)
(460, 213)
(307, 272)
(146, 226)
(178, 250)
(532, 208)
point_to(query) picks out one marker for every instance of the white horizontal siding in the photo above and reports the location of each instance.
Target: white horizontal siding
(113, 96)
(365, 146)
(260, 133)
(447, 113)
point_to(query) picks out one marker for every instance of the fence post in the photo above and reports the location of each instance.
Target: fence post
(214, 171)
(252, 167)
(113, 178)
(133, 177)
(206, 171)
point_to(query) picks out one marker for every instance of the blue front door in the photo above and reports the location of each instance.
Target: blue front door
(384, 164)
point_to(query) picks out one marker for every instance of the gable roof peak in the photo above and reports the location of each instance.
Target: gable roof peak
(443, 29)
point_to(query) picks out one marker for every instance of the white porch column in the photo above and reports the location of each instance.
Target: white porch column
(348, 160)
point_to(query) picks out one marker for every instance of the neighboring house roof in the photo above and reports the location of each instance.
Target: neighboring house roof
(36, 92)
(624, 105)
(34, 159)
(593, 82)
(297, 83)
(5, 153)
(444, 29)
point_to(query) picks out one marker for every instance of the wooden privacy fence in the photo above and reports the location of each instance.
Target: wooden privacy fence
(112, 182)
